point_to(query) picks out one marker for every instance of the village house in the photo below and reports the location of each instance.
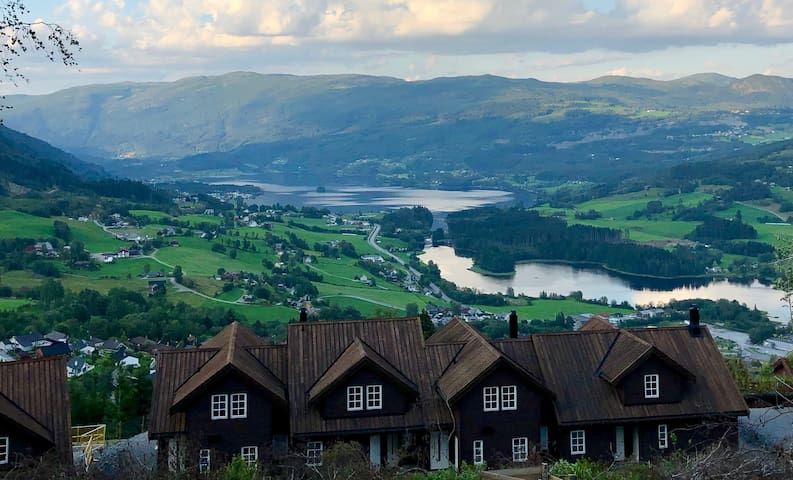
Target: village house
(600, 393)
(35, 415)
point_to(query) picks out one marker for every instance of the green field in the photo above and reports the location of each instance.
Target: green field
(7, 304)
(18, 224)
(546, 309)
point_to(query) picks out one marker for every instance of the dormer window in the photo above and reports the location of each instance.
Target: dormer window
(374, 397)
(354, 398)
(651, 385)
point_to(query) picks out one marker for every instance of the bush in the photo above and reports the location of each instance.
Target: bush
(239, 469)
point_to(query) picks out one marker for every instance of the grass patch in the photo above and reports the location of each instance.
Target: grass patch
(547, 309)
(8, 304)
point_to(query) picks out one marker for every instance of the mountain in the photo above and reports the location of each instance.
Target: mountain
(31, 163)
(460, 131)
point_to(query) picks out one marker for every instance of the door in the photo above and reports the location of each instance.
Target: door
(636, 443)
(392, 448)
(374, 450)
(439, 450)
(619, 451)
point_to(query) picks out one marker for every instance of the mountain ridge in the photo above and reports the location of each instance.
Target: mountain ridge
(284, 123)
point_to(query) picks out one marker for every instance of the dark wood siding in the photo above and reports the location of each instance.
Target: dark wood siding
(227, 436)
(497, 429)
(601, 440)
(671, 384)
(22, 445)
(395, 400)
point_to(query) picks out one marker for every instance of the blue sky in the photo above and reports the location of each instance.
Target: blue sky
(559, 40)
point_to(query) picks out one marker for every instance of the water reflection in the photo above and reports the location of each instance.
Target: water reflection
(533, 278)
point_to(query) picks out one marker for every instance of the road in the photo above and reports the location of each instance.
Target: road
(372, 239)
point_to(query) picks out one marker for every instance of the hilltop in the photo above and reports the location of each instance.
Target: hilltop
(447, 132)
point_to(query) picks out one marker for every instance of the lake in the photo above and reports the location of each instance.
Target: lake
(352, 198)
(533, 278)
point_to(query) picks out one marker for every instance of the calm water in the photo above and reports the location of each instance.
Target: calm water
(533, 278)
(360, 198)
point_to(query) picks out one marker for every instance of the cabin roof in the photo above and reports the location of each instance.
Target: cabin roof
(352, 358)
(314, 348)
(34, 394)
(570, 364)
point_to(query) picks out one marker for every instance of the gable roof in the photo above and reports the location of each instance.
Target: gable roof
(569, 360)
(475, 360)
(34, 394)
(231, 354)
(626, 353)
(314, 348)
(182, 374)
(57, 348)
(596, 322)
(354, 356)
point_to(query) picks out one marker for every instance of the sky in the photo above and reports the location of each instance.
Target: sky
(551, 40)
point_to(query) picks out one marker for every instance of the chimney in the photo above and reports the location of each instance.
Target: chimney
(693, 322)
(513, 324)
(303, 315)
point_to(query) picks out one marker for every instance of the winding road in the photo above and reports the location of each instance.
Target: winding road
(372, 239)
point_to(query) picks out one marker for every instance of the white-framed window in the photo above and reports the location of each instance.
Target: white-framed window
(663, 436)
(4, 447)
(313, 453)
(374, 397)
(490, 398)
(250, 454)
(520, 449)
(651, 385)
(220, 406)
(354, 398)
(479, 452)
(204, 460)
(577, 442)
(509, 397)
(239, 405)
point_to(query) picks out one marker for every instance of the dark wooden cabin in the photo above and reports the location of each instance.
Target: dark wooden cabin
(226, 398)
(35, 415)
(601, 393)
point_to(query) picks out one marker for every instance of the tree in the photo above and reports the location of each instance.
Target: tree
(784, 281)
(62, 230)
(411, 309)
(20, 35)
(178, 274)
(427, 327)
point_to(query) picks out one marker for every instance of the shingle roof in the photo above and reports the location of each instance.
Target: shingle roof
(569, 362)
(315, 346)
(35, 395)
(353, 357)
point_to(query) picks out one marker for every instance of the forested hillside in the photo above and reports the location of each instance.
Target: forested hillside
(447, 132)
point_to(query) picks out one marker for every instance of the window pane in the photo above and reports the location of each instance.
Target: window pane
(490, 397)
(354, 398)
(520, 449)
(479, 456)
(577, 442)
(663, 439)
(651, 386)
(4, 450)
(374, 397)
(220, 406)
(239, 405)
(509, 397)
(313, 453)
